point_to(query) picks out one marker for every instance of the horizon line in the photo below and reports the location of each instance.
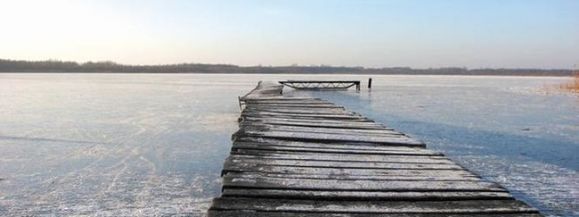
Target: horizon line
(575, 67)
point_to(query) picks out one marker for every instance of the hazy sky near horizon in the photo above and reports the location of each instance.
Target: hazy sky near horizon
(371, 33)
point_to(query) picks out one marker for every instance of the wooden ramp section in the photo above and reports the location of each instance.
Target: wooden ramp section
(321, 85)
(307, 157)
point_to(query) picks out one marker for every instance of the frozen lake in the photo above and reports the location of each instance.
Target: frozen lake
(152, 144)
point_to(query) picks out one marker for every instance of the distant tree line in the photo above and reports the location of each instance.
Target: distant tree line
(112, 67)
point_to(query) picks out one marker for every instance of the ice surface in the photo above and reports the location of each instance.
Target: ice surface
(113, 145)
(122, 144)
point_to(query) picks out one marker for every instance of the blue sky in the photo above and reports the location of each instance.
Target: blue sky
(415, 33)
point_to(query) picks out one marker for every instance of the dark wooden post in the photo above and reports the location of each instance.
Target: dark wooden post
(369, 83)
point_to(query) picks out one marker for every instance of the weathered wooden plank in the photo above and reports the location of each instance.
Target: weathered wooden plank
(294, 106)
(277, 97)
(334, 145)
(403, 207)
(366, 195)
(308, 118)
(345, 171)
(334, 130)
(304, 116)
(346, 158)
(303, 136)
(270, 98)
(296, 119)
(340, 116)
(246, 162)
(266, 152)
(274, 112)
(358, 185)
(290, 106)
(241, 165)
(320, 122)
(444, 177)
(311, 123)
(300, 110)
(265, 128)
(283, 101)
(321, 130)
(253, 213)
(288, 102)
(237, 146)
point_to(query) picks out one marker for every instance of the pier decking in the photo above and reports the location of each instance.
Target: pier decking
(295, 156)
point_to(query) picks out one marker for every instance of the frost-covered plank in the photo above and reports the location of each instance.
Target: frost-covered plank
(253, 213)
(254, 150)
(310, 111)
(265, 128)
(343, 171)
(366, 195)
(442, 177)
(309, 119)
(285, 100)
(250, 162)
(334, 130)
(302, 116)
(277, 98)
(303, 136)
(294, 106)
(323, 130)
(358, 185)
(237, 146)
(312, 123)
(334, 145)
(274, 103)
(402, 207)
(299, 110)
(271, 112)
(345, 158)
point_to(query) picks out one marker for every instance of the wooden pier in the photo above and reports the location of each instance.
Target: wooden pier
(307, 157)
(321, 85)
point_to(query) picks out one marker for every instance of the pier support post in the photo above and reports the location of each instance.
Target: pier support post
(369, 83)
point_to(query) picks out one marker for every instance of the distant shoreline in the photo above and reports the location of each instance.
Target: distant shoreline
(54, 66)
(303, 73)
